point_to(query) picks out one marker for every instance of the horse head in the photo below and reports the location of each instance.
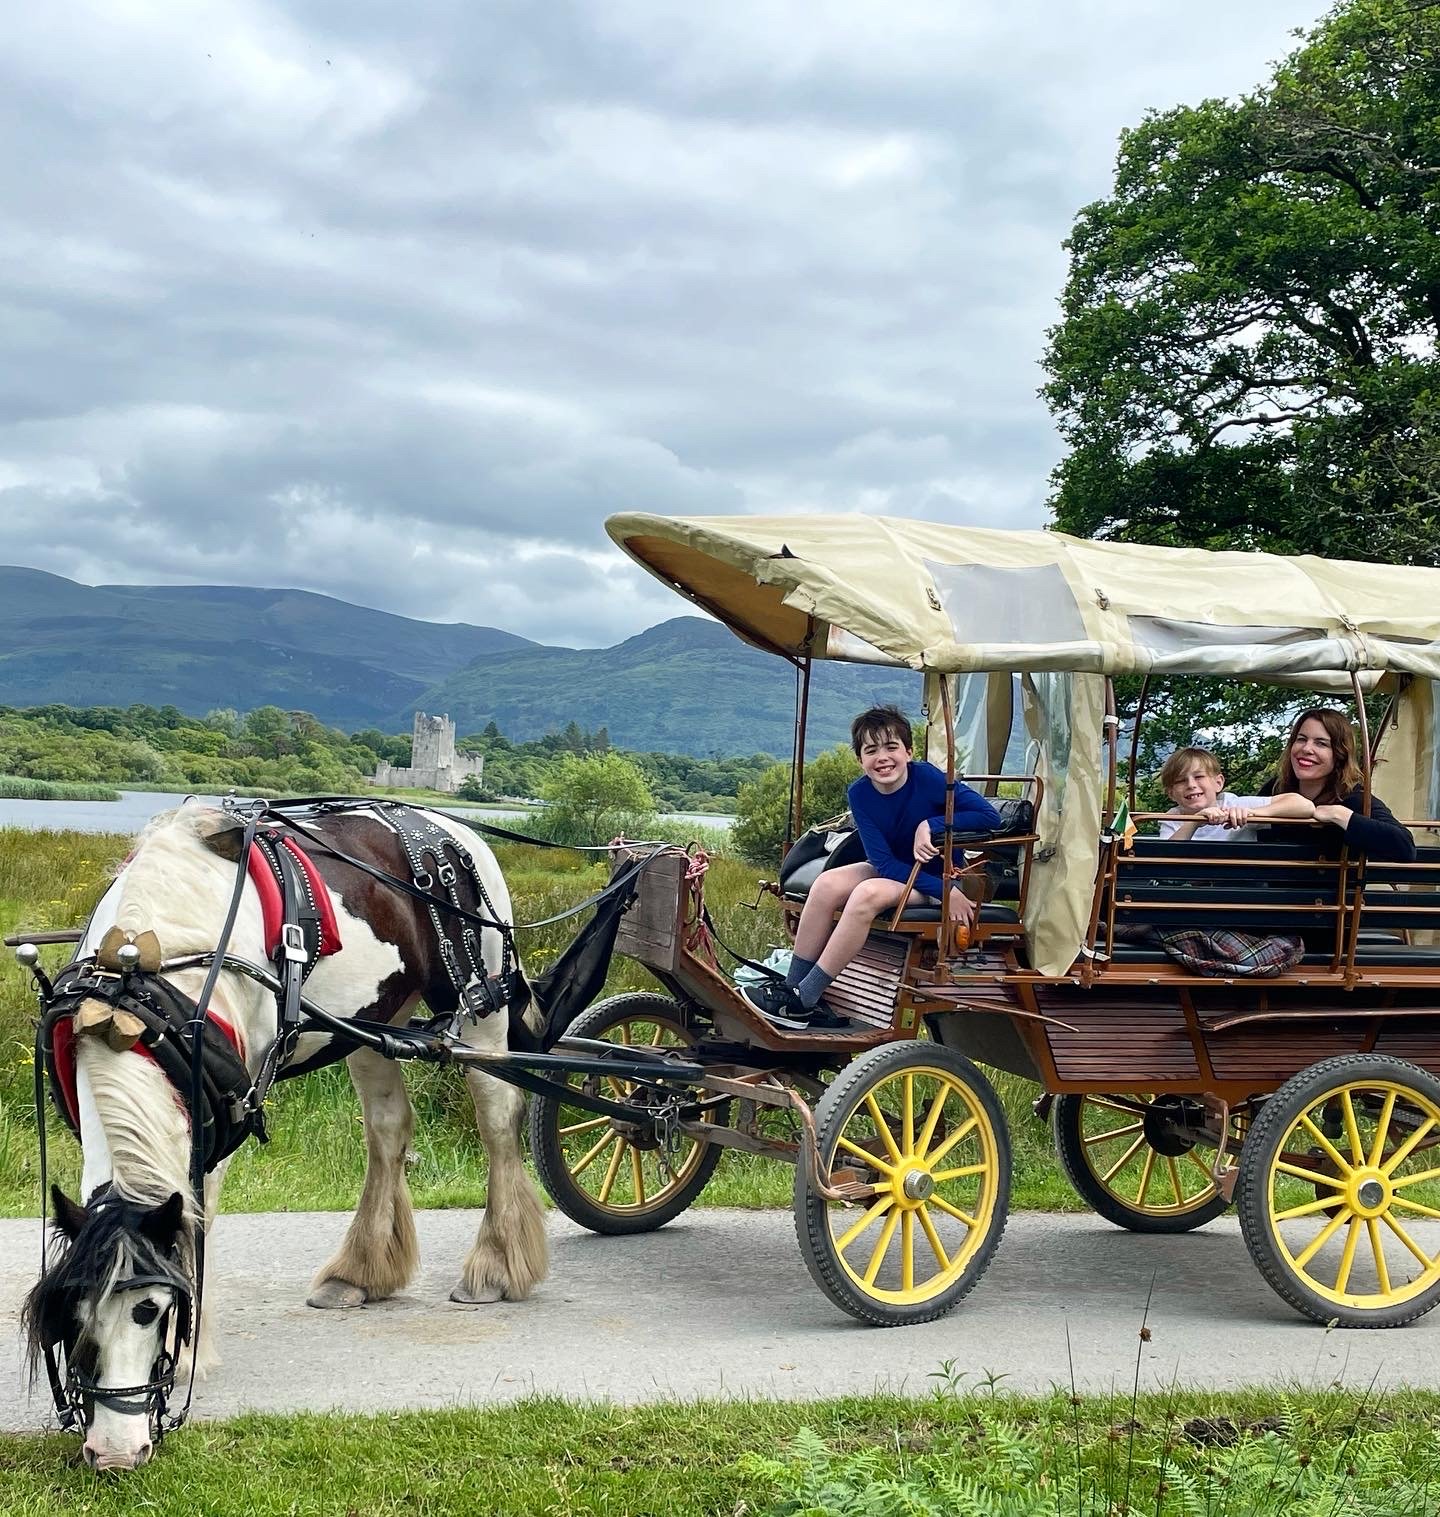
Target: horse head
(110, 1314)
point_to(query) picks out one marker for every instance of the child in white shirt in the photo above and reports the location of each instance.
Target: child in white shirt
(1205, 811)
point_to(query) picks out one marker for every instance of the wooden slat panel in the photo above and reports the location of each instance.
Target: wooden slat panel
(1271, 1054)
(865, 990)
(1131, 1040)
(649, 931)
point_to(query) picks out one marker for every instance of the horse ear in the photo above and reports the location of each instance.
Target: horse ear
(69, 1215)
(222, 833)
(162, 1225)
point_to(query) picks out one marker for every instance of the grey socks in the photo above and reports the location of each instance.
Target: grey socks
(798, 969)
(813, 986)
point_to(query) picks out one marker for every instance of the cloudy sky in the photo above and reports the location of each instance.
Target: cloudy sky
(398, 301)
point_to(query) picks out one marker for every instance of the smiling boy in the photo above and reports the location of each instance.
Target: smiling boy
(1205, 811)
(898, 804)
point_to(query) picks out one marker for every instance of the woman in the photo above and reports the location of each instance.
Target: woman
(1319, 764)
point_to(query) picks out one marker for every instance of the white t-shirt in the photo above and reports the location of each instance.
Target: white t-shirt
(1209, 833)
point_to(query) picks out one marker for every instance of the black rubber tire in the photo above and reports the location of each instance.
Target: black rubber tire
(1066, 1119)
(546, 1147)
(1252, 1199)
(812, 1222)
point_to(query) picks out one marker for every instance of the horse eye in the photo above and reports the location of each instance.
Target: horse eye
(144, 1314)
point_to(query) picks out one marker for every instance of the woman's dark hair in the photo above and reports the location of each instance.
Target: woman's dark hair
(1344, 777)
(876, 723)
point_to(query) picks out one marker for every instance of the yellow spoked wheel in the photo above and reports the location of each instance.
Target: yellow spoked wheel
(920, 1131)
(1338, 1191)
(613, 1176)
(1142, 1162)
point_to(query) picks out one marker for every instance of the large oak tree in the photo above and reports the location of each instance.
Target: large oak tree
(1247, 353)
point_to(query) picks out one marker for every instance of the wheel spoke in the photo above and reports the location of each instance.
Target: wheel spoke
(877, 1258)
(849, 1236)
(1378, 1249)
(907, 1117)
(1314, 1176)
(1407, 1240)
(1306, 1209)
(1175, 1179)
(1203, 1167)
(1404, 1180)
(965, 1170)
(1331, 1152)
(1347, 1256)
(589, 1126)
(936, 1247)
(1322, 1238)
(963, 1131)
(1122, 1161)
(637, 1169)
(1415, 1206)
(659, 1034)
(954, 1211)
(594, 1153)
(879, 1118)
(1403, 1152)
(611, 1171)
(1352, 1130)
(907, 1250)
(932, 1121)
(1118, 1132)
(1129, 1108)
(1382, 1129)
(624, 1030)
(1145, 1173)
(864, 1154)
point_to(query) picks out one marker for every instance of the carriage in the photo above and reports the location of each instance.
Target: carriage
(1310, 1101)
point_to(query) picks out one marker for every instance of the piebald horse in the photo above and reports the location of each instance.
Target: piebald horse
(119, 1281)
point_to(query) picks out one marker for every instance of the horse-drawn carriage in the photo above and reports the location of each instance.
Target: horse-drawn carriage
(1309, 1099)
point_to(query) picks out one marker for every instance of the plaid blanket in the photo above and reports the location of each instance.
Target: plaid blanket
(1226, 951)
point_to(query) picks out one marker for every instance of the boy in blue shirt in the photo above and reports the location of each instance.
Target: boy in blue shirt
(898, 804)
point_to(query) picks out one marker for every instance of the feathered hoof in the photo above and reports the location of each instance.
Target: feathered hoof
(337, 1295)
(483, 1296)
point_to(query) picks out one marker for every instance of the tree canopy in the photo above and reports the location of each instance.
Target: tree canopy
(1247, 355)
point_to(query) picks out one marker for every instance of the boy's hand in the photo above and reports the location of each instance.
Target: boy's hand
(962, 908)
(925, 848)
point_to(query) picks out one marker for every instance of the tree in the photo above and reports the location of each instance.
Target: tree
(764, 803)
(1247, 355)
(591, 798)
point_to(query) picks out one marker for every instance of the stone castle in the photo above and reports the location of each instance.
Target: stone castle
(434, 764)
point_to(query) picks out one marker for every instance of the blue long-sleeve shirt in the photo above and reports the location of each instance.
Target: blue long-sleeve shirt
(887, 823)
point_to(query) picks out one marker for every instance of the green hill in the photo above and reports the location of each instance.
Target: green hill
(686, 686)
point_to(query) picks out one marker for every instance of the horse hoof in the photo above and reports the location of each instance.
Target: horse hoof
(483, 1297)
(336, 1295)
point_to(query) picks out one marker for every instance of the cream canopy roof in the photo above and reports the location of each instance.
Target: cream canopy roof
(956, 599)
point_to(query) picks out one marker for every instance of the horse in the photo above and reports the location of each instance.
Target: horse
(119, 1291)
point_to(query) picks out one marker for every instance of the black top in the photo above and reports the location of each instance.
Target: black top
(1378, 836)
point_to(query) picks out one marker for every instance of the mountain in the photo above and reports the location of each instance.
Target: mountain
(201, 646)
(685, 686)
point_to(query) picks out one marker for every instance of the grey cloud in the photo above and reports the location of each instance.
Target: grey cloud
(398, 304)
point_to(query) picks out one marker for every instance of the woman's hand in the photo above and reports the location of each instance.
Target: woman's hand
(925, 849)
(1337, 816)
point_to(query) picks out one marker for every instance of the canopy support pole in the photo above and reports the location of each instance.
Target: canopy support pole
(1135, 741)
(1363, 722)
(793, 817)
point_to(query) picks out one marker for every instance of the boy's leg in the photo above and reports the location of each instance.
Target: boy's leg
(865, 902)
(827, 895)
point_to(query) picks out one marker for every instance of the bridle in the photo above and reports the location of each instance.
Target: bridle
(76, 1391)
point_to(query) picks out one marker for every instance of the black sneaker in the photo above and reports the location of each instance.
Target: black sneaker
(822, 1019)
(777, 1003)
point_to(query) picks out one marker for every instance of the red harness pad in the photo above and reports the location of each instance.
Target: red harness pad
(272, 903)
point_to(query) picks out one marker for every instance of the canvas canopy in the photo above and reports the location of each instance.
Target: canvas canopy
(961, 599)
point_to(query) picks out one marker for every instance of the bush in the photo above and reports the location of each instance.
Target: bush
(764, 803)
(590, 799)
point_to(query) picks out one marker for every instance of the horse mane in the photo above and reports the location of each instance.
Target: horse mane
(109, 1246)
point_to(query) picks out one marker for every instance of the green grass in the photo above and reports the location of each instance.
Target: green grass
(17, 787)
(315, 1159)
(1255, 1452)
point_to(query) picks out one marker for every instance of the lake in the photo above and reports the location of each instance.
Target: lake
(136, 807)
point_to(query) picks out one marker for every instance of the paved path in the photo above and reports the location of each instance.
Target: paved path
(719, 1303)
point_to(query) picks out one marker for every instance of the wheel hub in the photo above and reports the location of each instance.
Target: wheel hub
(917, 1186)
(1368, 1193)
(1172, 1125)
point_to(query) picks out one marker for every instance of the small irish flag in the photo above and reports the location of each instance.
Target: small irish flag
(1122, 827)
